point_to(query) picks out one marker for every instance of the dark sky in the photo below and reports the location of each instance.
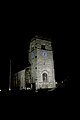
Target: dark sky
(15, 37)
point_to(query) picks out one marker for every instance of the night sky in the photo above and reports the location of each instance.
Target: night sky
(14, 42)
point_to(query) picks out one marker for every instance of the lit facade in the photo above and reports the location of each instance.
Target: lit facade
(41, 72)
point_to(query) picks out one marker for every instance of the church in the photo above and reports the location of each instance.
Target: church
(40, 74)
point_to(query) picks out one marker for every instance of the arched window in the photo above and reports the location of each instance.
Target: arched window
(44, 77)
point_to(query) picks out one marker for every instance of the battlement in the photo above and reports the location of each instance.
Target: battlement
(40, 38)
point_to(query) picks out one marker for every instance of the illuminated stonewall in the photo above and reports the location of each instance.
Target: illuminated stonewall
(41, 69)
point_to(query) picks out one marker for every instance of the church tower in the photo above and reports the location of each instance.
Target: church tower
(42, 65)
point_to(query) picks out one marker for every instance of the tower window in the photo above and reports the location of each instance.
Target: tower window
(32, 48)
(44, 77)
(35, 45)
(43, 47)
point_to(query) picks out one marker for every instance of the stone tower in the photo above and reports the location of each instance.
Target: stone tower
(42, 65)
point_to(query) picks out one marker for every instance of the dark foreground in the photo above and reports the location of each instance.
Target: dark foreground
(57, 92)
(63, 89)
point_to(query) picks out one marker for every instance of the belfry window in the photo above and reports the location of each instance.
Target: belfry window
(43, 47)
(32, 48)
(44, 77)
(35, 45)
